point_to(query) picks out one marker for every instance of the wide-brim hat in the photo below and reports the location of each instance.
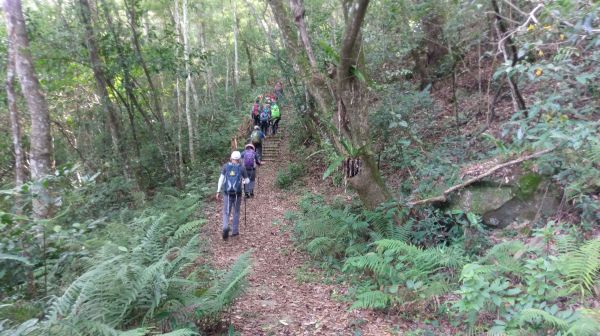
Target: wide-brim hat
(250, 146)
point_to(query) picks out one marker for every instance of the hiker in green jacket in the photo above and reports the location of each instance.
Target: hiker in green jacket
(256, 138)
(275, 117)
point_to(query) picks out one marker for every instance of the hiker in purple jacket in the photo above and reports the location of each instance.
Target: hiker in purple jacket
(250, 161)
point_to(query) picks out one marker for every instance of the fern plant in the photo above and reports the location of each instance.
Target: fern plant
(531, 290)
(403, 272)
(582, 267)
(148, 285)
(331, 233)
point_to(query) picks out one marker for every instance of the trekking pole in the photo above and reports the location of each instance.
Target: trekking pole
(245, 200)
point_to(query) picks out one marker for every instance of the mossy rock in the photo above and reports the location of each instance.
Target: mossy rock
(530, 197)
(481, 198)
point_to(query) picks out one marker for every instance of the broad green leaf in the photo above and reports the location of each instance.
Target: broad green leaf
(333, 166)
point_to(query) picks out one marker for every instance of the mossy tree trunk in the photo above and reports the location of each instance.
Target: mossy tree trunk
(342, 90)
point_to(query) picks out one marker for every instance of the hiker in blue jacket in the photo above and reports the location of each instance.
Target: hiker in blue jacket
(233, 177)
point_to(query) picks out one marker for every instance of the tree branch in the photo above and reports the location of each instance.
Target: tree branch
(444, 196)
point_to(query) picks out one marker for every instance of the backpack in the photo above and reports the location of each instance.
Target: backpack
(264, 115)
(255, 109)
(275, 113)
(233, 179)
(255, 137)
(249, 156)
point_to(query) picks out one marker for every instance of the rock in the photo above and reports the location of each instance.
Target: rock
(541, 204)
(526, 197)
(481, 198)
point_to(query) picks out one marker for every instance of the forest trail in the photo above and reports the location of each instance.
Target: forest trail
(284, 296)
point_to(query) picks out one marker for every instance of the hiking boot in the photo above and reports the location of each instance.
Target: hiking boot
(235, 234)
(251, 194)
(247, 195)
(225, 233)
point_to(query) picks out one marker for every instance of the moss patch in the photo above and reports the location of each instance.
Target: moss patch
(528, 185)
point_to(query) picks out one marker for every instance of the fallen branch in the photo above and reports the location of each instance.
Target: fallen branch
(444, 196)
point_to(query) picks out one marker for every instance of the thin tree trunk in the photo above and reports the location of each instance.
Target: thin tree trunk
(236, 65)
(509, 55)
(40, 138)
(227, 75)
(15, 124)
(179, 122)
(208, 71)
(138, 51)
(102, 85)
(250, 66)
(188, 81)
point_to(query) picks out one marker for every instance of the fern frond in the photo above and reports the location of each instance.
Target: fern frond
(372, 300)
(227, 289)
(533, 315)
(320, 246)
(582, 266)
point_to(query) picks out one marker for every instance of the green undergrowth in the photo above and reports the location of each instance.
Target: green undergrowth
(541, 283)
(291, 176)
(136, 270)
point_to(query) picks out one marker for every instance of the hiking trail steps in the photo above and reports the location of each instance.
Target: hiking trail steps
(284, 295)
(272, 147)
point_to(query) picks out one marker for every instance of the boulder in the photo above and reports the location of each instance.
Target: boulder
(528, 197)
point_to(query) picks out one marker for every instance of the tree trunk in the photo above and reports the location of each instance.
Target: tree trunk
(208, 73)
(432, 27)
(250, 66)
(188, 82)
(509, 51)
(179, 122)
(15, 124)
(41, 141)
(349, 98)
(236, 65)
(102, 84)
(138, 51)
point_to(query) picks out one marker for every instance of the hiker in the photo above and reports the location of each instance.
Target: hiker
(255, 112)
(250, 161)
(275, 117)
(256, 138)
(265, 117)
(279, 91)
(233, 176)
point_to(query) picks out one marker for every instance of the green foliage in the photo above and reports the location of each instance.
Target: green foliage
(152, 278)
(330, 233)
(529, 290)
(404, 272)
(582, 267)
(285, 179)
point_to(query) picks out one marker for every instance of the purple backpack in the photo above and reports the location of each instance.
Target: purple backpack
(249, 158)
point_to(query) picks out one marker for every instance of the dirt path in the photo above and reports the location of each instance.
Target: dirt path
(283, 296)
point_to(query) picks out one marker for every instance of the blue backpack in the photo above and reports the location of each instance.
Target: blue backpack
(264, 115)
(233, 179)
